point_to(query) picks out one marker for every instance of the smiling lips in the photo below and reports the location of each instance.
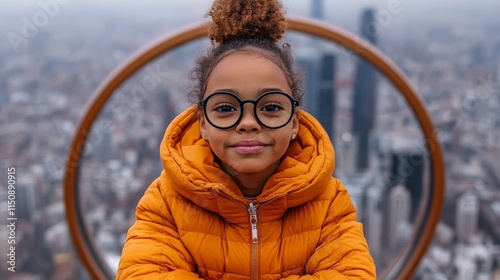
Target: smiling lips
(247, 147)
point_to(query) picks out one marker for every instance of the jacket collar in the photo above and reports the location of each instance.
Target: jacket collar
(190, 169)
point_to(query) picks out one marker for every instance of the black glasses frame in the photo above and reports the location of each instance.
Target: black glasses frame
(203, 103)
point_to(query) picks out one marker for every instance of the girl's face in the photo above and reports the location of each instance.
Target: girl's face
(248, 147)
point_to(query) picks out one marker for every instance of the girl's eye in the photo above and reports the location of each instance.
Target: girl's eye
(224, 108)
(271, 108)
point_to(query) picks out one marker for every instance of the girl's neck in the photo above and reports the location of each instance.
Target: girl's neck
(251, 184)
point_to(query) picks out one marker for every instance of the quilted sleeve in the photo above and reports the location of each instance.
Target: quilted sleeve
(342, 252)
(153, 249)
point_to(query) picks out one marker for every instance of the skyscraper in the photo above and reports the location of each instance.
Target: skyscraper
(319, 66)
(399, 214)
(345, 154)
(326, 93)
(467, 214)
(307, 61)
(4, 232)
(498, 66)
(466, 269)
(317, 9)
(27, 197)
(365, 95)
(373, 221)
(407, 168)
(99, 140)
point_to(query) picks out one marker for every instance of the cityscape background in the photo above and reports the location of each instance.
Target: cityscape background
(55, 53)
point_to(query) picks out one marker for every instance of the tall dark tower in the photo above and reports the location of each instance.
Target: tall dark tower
(365, 94)
(326, 93)
(317, 11)
(407, 168)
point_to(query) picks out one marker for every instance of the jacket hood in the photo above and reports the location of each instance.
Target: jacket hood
(191, 170)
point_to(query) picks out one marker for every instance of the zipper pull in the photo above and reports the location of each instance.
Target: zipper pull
(253, 222)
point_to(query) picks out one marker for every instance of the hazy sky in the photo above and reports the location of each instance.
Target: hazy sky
(173, 14)
(301, 7)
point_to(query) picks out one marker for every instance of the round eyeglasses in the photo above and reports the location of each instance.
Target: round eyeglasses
(272, 109)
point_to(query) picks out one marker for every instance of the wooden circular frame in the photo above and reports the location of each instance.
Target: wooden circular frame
(432, 200)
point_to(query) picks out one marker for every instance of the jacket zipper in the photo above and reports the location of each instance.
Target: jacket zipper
(255, 238)
(253, 225)
(252, 209)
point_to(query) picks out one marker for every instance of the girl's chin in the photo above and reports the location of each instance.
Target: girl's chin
(250, 168)
(246, 170)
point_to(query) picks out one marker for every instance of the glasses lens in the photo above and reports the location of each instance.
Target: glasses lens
(223, 110)
(274, 110)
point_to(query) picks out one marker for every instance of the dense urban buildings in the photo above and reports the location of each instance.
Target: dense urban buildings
(452, 61)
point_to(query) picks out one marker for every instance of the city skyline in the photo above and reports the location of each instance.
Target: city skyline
(47, 82)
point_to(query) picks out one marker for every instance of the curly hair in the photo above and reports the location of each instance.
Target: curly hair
(245, 26)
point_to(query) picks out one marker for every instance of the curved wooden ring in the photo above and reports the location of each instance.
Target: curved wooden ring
(429, 209)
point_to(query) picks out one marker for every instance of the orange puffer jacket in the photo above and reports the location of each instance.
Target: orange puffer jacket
(194, 223)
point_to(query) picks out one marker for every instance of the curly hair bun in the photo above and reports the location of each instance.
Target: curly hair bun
(243, 19)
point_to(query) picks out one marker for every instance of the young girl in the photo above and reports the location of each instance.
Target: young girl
(247, 189)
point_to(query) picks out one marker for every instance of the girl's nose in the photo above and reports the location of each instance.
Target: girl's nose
(248, 120)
